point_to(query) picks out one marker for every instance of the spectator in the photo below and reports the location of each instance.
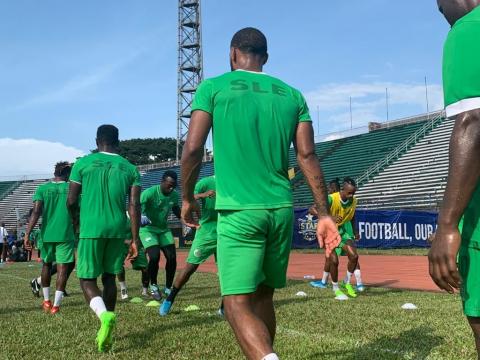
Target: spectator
(3, 244)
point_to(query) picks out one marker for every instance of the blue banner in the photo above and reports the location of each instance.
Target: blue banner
(383, 229)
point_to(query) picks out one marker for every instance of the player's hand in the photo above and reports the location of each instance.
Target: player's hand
(132, 251)
(190, 213)
(210, 193)
(442, 258)
(312, 210)
(26, 243)
(327, 234)
(357, 237)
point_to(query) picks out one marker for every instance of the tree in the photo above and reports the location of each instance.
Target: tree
(147, 151)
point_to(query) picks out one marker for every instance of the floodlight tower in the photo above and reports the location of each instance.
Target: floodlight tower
(190, 63)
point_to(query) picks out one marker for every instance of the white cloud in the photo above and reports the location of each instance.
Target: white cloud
(32, 157)
(368, 101)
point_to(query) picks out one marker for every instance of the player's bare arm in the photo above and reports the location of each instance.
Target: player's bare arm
(327, 232)
(200, 125)
(74, 191)
(463, 176)
(134, 211)
(204, 195)
(36, 213)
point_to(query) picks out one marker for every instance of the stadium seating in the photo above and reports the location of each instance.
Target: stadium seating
(353, 155)
(416, 180)
(6, 187)
(21, 199)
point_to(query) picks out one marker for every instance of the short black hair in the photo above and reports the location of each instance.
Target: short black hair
(350, 181)
(250, 40)
(169, 173)
(107, 134)
(335, 182)
(62, 169)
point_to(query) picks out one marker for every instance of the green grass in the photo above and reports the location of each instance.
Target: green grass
(373, 326)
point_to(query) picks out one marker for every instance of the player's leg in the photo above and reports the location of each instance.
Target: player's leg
(90, 266)
(468, 267)
(153, 253)
(200, 251)
(46, 276)
(113, 261)
(351, 250)
(358, 278)
(475, 325)
(64, 256)
(123, 284)
(241, 249)
(322, 284)
(167, 245)
(141, 264)
(334, 261)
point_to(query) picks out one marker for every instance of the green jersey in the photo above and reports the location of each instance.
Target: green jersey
(208, 220)
(156, 206)
(461, 87)
(461, 68)
(255, 117)
(106, 180)
(57, 224)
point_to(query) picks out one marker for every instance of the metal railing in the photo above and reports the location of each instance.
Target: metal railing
(400, 149)
(168, 164)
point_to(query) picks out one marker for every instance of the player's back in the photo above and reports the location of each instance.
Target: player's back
(106, 179)
(56, 225)
(254, 122)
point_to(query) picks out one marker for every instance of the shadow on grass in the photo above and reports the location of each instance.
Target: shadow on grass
(38, 308)
(137, 340)
(415, 343)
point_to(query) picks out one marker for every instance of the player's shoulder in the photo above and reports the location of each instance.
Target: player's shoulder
(44, 186)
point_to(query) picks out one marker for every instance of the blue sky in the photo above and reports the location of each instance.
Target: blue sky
(67, 67)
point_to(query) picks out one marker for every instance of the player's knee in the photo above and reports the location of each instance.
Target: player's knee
(333, 261)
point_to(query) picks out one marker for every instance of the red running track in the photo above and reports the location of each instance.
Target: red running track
(402, 272)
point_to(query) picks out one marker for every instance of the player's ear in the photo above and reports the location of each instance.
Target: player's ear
(265, 59)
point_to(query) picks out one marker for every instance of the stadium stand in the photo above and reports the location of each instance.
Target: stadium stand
(354, 155)
(21, 199)
(7, 187)
(416, 180)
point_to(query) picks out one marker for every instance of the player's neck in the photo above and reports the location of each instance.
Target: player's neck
(108, 149)
(249, 64)
(59, 179)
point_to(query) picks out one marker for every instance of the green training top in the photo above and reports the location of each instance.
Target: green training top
(57, 224)
(461, 87)
(106, 180)
(208, 220)
(157, 206)
(461, 68)
(255, 117)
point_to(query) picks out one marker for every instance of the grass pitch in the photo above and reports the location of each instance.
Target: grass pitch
(373, 326)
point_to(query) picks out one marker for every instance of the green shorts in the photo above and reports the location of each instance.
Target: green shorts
(151, 238)
(253, 249)
(469, 267)
(140, 262)
(461, 68)
(98, 256)
(60, 252)
(202, 248)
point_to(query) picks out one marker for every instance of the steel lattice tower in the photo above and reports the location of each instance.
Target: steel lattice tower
(190, 63)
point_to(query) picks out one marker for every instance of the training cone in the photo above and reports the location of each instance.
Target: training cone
(153, 303)
(192, 308)
(136, 300)
(301, 294)
(409, 306)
